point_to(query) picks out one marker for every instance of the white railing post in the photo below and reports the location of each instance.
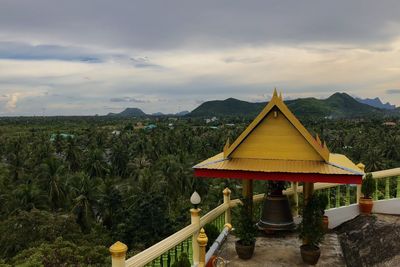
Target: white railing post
(227, 201)
(195, 220)
(359, 194)
(118, 253)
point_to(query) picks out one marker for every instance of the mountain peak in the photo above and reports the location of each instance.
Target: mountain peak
(376, 102)
(129, 112)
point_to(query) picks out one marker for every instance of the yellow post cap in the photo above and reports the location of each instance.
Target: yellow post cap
(118, 249)
(229, 226)
(202, 238)
(226, 191)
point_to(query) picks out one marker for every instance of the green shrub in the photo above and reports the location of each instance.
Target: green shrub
(212, 233)
(323, 201)
(183, 261)
(311, 228)
(245, 228)
(63, 253)
(368, 186)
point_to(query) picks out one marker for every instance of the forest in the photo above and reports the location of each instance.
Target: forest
(72, 186)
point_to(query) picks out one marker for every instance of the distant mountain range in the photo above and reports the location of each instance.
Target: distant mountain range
(376, 102)
(338, 105)
(137, 112)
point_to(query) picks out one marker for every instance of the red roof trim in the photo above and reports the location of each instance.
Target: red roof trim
(281, 176)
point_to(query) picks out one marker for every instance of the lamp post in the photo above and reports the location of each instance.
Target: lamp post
(195, 199)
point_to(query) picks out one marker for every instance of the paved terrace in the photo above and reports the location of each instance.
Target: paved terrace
(283, 250)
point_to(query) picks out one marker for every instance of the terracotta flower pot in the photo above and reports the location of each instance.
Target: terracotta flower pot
(244, 252)
(365, 205)
(310, 254)
(325, 223)
(211, 262)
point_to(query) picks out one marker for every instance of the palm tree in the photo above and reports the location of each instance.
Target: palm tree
(119, 158)
(28, 196)
(85, 195)
(16, 158)
(73, 155)
(50, 177)
(110, 203)
(96, 164)
(135, 166)
(374, 160)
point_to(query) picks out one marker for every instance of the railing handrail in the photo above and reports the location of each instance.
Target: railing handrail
(213, 214)
(386, 173)
(161, 247)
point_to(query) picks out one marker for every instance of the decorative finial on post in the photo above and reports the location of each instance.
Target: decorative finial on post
(195, 199)
(226, 191)
(118, 253)
(202, 240)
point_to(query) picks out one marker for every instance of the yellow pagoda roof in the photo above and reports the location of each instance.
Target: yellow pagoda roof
(277, 134)
(276, 142)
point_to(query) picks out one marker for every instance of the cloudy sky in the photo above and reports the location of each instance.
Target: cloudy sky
(98, 56)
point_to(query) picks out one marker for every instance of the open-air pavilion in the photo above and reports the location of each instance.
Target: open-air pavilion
(276, 146)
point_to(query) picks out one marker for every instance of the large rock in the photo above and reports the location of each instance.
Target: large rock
(370, 240)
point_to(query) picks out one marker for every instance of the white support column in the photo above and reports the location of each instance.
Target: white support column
(227, 201)
(195, 219)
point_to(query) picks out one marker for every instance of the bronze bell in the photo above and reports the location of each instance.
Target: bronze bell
(276, 214)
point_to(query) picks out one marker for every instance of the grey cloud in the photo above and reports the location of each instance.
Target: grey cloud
(25, 51)
(244, 60)
(128, 99)
(171, 24)
(112, 108)
(393, 91)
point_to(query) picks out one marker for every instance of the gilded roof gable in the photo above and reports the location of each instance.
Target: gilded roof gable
(277, 134)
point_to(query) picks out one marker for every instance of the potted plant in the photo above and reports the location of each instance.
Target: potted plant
(323, 201)
(367, 188)
(311, 231)
(245, 231)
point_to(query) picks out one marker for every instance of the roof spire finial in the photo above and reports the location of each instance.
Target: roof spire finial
(275, 93)
(280, 96)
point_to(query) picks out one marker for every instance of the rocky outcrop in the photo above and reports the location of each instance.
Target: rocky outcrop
(370, 240)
